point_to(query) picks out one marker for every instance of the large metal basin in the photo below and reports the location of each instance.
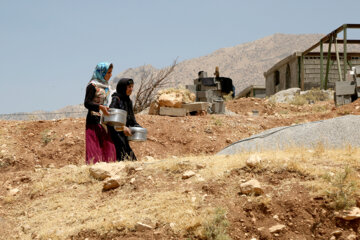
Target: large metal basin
(117, 117)
(138, 134)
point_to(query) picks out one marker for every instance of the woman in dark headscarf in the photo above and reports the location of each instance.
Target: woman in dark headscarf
(99, 146)
(121, 100)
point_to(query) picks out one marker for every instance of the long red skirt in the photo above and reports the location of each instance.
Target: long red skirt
(99, 146)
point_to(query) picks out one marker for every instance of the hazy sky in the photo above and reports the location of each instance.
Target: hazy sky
(49, 48)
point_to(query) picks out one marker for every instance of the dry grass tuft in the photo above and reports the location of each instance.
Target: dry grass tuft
(215, 228)
(342, 188)
(312, 96)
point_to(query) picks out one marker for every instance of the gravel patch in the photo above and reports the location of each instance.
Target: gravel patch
(332, 133)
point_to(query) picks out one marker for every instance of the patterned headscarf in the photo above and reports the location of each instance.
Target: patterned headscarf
(100, 83)
(100, 71)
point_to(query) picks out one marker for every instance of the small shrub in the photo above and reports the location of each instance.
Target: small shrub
(312, 96)
(216, 121)
(46, 137)
(216, 228)
(342, 192)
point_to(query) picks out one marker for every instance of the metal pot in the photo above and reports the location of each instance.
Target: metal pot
(117, 117)
(138, 134)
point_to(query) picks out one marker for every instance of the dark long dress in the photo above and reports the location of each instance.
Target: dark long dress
(123, 149)
(99, 145)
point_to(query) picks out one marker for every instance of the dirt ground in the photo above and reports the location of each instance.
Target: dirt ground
(26, 144)
(29, 145)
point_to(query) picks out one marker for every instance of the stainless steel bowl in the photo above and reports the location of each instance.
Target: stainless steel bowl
(117, 117)
(138, 134)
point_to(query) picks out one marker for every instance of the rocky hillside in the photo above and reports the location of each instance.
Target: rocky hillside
(244, 63)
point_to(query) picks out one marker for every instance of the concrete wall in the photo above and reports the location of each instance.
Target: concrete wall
(311, 74)
(292, 68)
(312, 71)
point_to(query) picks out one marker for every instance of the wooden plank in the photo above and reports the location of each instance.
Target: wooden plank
(175, 112)
(344, 88)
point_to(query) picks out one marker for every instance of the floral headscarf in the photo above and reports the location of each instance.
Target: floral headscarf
(100, 71)
(101, 85)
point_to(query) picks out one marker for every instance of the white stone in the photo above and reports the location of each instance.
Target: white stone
(142, 226)
(253, 161)
(132, 181)
(149, 158)
(188, 174)
(277, 228)
(14, 191)
(252, 186)
(285, 96)
(351, 214)
(351, 237)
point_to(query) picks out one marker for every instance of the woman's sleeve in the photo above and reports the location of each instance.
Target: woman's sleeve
(89, 96)
(113, 103)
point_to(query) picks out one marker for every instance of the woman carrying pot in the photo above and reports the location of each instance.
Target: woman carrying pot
(121, 100)
(99, 145)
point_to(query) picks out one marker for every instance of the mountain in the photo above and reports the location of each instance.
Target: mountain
(244, 63)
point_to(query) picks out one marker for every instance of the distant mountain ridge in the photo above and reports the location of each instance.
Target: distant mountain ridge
(244, 63)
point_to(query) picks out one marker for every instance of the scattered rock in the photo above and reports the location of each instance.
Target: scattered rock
(253, 161)
(31, 134)
(98, 172)
(142, 227)
(139, 169)
(200, 166)
(26, 228)
(285, 96)
(13, 191)
(188, 174)
(351, 214)
(149, 158)
(132, 181)
(51, 165)
(252, 186)
(111, 183)
(351, 237)
(337, 233)
(277, 228)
